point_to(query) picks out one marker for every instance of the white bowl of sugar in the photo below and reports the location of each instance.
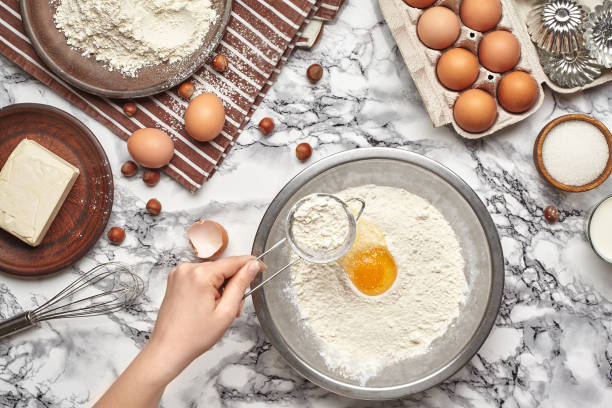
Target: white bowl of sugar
(574, 152)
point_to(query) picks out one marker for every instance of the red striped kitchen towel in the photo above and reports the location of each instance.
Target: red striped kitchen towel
(258, 40)
(328, 9)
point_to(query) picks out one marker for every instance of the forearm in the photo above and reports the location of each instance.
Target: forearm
(141, 385)
(192, 318)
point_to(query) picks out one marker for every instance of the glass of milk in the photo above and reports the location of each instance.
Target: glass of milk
(599, 229)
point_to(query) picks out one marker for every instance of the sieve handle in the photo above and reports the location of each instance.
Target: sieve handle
(269, 279)
(15, 324)
(272, 248)
(362, 206)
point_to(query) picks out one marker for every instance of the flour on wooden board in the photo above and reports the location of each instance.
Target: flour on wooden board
(360, 335)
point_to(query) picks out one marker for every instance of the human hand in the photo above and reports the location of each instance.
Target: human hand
(193, 316)
(195, 312)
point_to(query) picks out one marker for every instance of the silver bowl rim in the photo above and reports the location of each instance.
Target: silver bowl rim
(495, 293)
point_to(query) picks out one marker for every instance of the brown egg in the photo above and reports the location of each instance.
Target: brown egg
(205, 117)
(499, 51)
(419, 3)
(517, 92)
(457, 69)
(475, 111)
(438, 28)
(481, 15)
(151, 148)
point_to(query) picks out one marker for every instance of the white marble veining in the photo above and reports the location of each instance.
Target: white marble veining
(552, 342)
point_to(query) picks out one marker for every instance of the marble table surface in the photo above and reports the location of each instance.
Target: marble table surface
(552, 342)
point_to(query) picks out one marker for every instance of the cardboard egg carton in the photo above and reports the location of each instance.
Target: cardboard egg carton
(421, 61)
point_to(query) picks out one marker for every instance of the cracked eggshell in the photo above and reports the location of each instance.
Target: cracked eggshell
(207, 238)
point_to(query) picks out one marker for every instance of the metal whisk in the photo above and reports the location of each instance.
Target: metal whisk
(104, 289)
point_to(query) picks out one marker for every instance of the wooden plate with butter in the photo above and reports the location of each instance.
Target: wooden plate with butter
(56, 188)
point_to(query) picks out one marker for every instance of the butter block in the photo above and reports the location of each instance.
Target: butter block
(34, 183)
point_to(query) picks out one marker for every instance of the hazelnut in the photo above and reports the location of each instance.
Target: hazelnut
(130, 109)
(129, 168)
(186, 90)
(551, 214)
(314, 73)
(154, 206)
(266, 126)
(303, 151)
(220, 63)
(116, 235)
(150, 177)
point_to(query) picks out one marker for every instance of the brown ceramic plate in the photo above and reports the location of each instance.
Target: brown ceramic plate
(539, 161)
(93, 76)
(85, 212)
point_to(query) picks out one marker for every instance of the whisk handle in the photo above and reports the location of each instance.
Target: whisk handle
(15, 324)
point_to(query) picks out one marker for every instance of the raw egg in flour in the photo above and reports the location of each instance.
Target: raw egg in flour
(369, 264)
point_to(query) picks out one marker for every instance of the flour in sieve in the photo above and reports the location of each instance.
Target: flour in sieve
(130, 34)
(360, 335)
(320, 225)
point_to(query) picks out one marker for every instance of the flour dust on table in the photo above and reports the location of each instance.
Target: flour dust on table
(359, 334)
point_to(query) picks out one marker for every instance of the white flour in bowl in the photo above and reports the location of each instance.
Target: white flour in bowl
(327, 217)
(130, 34)
(359, 335)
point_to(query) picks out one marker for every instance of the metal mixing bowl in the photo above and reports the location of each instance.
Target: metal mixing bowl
(477, 235)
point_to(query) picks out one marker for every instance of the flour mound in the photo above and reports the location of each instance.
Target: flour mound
(360, 335)
(130, 34)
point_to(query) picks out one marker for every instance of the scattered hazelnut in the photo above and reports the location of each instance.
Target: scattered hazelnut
(266, 126)
(150, 177)
(129, 168)
(220, 63)
(130, 109)
(116, 235)
(551, 214)
(314, 73)
(303, 151)
(186, 90)
(154, 206)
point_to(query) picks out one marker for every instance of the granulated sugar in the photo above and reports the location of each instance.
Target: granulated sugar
(575, 153)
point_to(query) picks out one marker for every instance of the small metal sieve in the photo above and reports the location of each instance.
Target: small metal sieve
(305, 253)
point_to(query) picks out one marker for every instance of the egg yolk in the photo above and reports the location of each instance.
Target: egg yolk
(372, 271)
(369, 263)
